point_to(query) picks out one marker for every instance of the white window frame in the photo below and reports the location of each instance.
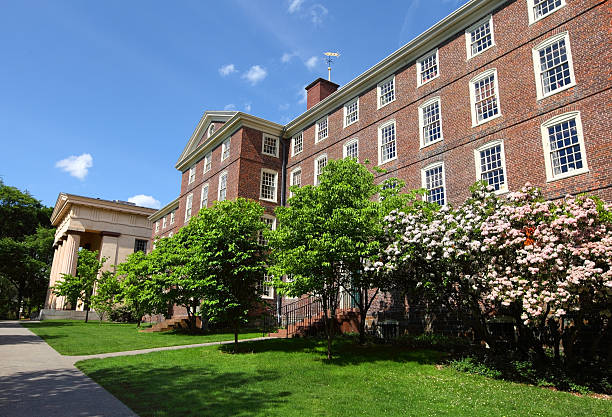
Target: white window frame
(293, 139)
(192, 175)
(275, 173)
(261, 239)
(503, 189)
(157, 226)
(538, 69)
(188, 207)
(170, 234)
(204, 187)
(226, 148)
(291, 182)
(531, 11)
(276, 145)
(326, 119)
(550, 176)
(345, 112)
(164, 222)
(379, 95)
(380, 129)
(262, 285)
(172, 215)
(350, 142)
(316, 166)
(422, 121)
(207, 162)
(223, 174)
(468, 36)
(211, 130)
(424, 179)
(420, 67)
(473, 81)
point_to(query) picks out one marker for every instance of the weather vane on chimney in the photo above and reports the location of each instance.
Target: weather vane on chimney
(329, 59)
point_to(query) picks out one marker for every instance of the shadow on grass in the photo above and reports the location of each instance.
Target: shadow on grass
(14, 339)
(189, 391)
(345, 351)
(43, 324)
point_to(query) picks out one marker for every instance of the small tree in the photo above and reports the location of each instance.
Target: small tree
(105, 297)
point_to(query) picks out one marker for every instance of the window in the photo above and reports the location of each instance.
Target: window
(564, 146)
(204, 196)
(386, 143)
(351, 112)
(192, 174)
(265, 288)
(269, 145)
(539, 9)
(157, 226)
(172, 214)
(552, 61)
(211, 130)
(222, 186)
(386, 91)
(207, 162)
(268, 185)
(427, 68)
(491, 165)
(351, 149)
(271, 223)
(296, 179)
(188, 206)
(484, 95)
(321, 129)
(319, 164)
(479, 37)
(225, 149)
(298, 144)
(140, 245)
(170, 234)
(164, 222)
(433, 181)
(430, 122)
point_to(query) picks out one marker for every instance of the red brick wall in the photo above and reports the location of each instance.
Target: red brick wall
(522, 113)
(318, 90)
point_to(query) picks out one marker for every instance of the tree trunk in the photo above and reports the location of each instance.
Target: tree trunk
(19, 301)
(235, 337)
(86, 314)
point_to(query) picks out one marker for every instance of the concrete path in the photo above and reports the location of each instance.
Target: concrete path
(36, 381)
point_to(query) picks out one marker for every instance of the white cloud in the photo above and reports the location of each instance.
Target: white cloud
(303, 94)
(247, 107)
(284, 107)
(227, 70)
(77, 166)
(229, 107)
(287, 57)
(318, 13)
(145, 201)
(255, 74)
(311, 62)
(295, 5)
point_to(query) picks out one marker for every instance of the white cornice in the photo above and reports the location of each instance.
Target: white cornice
(454, 23)
(164, 210)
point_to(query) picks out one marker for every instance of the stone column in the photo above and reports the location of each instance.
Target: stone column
(52, 277)
(109, 248)
(70, 254)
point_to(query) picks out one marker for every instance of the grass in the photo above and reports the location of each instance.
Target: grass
(72, 337)
(292, 378)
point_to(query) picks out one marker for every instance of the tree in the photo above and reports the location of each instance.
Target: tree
(327, 235)
(106, 295)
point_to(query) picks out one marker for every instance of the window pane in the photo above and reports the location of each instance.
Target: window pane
(491, 167)
(543, 7)
(431, 123)
(387, 92)
(486, 100)
(268, 185)
(434, 183)
(387, 143)
(481, 38)
(429, 68)
(554, 66)
(564, 147)
(298, 143)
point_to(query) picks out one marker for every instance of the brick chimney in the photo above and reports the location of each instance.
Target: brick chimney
(318, 90)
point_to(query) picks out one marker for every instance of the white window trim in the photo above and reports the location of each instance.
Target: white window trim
(424, 180)
(419, 64)
(355, 100)
(172, 214)
(263, 284)
(350, 142)
(207, 188)
(188, 214)
(227, 145)
(473, 81)
(316, 163)
(422, 121)
(192, 175)
(468, 37)
(317, 140)
(211, 130)
(207, 158)
(269, 171)
(164, 222)
(378, 95)
(504, 189)
(263, 139)
(537, 68)
(530, 11)
(293, 152)
(219, 186)
(291, 184)
(380, 129)
(157, 226)
(550, 176)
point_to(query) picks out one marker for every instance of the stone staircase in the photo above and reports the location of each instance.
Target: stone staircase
(174, 323)
(347, 320)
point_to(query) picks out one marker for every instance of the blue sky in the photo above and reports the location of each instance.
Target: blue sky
(99, 98)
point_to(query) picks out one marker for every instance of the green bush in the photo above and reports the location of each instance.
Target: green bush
(122, 314)
(471, 365)
(434, 341)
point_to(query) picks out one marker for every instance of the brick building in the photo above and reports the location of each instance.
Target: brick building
(506, 91)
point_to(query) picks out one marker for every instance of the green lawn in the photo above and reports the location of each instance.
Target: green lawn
(291, 378)
(70, 337)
